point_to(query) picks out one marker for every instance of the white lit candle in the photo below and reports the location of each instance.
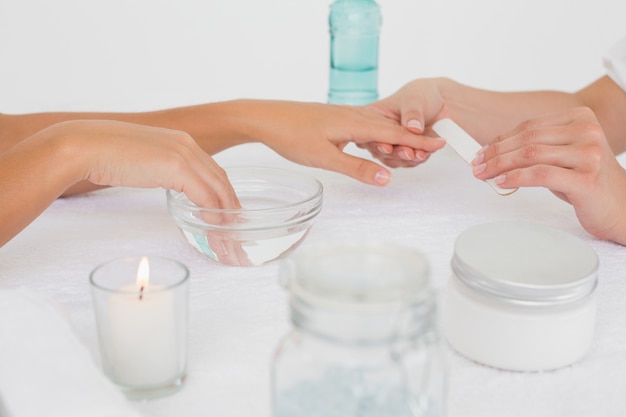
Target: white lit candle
(142, 331)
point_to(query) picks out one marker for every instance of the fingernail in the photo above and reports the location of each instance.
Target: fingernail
(479, 158)
(419, 156)
(479, 168)
(404, 155)
(382, 178)
(499, 179)
(383, 149)
(415, 124)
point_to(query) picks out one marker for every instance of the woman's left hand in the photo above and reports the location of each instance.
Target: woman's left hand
(567, 153)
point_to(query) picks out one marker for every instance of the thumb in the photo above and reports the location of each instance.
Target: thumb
(412, 119)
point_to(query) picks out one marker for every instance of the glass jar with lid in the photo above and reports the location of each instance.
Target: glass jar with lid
(364, 341)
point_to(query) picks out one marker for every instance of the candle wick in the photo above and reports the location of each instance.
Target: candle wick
(141, 293)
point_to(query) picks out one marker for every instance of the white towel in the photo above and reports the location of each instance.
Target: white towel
(44, 369)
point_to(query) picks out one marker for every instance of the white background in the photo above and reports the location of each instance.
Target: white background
(126, 55)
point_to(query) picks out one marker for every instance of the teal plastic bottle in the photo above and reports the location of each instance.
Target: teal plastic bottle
(354, 38)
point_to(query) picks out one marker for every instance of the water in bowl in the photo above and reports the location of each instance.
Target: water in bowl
(247, 250)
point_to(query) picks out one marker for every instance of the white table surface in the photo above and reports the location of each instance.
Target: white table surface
(238, 315)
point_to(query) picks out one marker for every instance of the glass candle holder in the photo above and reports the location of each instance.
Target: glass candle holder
(141, 308)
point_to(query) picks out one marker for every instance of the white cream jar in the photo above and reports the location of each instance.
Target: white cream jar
(522, 296)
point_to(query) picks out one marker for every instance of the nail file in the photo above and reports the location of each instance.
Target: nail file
(465, 145)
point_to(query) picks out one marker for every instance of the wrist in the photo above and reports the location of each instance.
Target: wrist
(257, 120)
(64, 147)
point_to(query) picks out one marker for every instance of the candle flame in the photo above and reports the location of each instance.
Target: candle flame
(143, 274)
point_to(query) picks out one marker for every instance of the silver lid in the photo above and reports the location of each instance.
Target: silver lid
(525, 263)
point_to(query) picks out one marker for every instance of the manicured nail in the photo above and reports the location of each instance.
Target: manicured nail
(479, 158)
(404, 155)
(479, 168)
(419, 156)
(382, 178)
(383, 149)
(499, 179)
(415, 124)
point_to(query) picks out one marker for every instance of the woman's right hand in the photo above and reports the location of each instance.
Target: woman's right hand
(125, 154)
(40, 168)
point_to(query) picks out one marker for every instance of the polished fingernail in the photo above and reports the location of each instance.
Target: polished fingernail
(383, 149)
(480, 157)
(479, 168)
(382, 178)
(415, 124)
(419, 156)
(404, 155)
(499, 179)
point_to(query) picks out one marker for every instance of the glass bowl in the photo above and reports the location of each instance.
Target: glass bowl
(278, 209)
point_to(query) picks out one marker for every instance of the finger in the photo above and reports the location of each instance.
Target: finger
(392, 160)
(530, 130)
(557, 179)
(528, 138)
(417, 142)
(382, 148)
(358, 168)
(409, 154)
(570, 157)
(412, 118)
(215, 177)
(394, 134)
(221, 249)
(240, 253)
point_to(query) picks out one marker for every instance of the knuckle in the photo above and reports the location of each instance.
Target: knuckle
(526, 125)
(177, 162)
(183, 137)
(529, 153)
(584, 112)
(591, 130)
(513, 177)
(498, 139)
(593, 156)
(362, 169)
(540, 174)
(527, 135)
(497, 164)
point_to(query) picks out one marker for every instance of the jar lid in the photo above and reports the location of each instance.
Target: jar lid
(525, 263)
(356, 274)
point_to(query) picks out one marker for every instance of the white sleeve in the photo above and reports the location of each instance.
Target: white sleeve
(615, 63)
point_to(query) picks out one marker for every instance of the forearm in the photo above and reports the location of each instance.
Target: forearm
(33, 174)
(486, 114)
(214, 126)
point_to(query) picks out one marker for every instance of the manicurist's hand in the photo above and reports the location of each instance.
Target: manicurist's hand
(416, 106)
(567, 153)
